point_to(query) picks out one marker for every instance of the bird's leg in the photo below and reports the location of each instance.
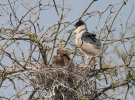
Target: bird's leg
(86, 59)
(92, 61)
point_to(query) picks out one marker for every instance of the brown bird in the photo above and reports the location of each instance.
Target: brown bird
(62, 58)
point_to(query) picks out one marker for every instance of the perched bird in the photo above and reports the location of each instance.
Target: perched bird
(62, 58)
(85, 41)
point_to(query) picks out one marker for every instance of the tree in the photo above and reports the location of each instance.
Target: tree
(31, 69)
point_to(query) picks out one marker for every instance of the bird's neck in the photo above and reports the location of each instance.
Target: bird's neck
(79, 31)
(82, 29)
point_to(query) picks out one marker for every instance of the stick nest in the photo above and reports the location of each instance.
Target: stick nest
(63, 80)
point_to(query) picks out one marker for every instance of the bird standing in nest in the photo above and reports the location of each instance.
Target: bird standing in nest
(62, 58)
(86, 42)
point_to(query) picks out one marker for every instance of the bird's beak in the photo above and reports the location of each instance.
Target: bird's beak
(69, 31)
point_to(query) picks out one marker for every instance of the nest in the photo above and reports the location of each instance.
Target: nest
(63, 80)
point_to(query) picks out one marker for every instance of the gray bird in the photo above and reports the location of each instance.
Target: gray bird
(86, 42)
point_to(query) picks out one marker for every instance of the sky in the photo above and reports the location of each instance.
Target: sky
(49, 17)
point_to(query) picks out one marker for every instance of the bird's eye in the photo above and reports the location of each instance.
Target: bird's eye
(75, 27)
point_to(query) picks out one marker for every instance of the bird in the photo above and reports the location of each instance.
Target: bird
(62, 59)
(87, 42)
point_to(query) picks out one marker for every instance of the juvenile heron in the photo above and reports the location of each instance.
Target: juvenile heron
(62, 58)
(86, 42)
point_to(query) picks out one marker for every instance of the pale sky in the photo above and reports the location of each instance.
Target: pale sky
(49, 17)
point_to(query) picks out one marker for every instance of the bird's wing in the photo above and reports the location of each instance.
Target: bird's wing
(91, 38)
(90, 49)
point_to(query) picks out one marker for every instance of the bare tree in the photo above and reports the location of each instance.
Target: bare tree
(31, 69)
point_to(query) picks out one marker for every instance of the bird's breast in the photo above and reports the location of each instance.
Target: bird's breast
(78, 41)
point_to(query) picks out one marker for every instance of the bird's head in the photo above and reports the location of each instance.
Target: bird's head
(78, 27)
